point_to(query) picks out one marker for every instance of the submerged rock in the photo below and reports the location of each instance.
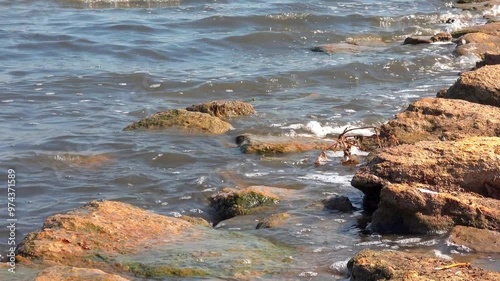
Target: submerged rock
(181, 118)
(273, 221)
(444, 119)
(477, 240)
(279, 144)
(233, 202)
(119, 238)
(223, 109)
(369, 265)
(480, 86)
(339, 203)
(76, 274)
(337, 48)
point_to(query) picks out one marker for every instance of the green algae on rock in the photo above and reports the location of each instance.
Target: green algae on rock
(121, 239)
(223, 109)
(181, 118)
(233, 202)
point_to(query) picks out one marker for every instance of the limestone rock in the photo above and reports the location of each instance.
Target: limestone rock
(68, 273)
(471, 165)
(181, 118)
(421, 209)
(121, 239)
(279, 144)
(233, 202)
(490, 28)
(273, 221)
(444, 119)
(480, 86)
(99, 228)
(339, 203)
(478, 240)
(489, 59)
(478, 44)
(439, 37)
(369, 265)
(223, 109)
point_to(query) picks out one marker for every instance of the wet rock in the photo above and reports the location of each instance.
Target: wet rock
(369, 265)
(223, 109)
(415, 40)
(273, 221)
(99, 228)
(489, 59)
(442, 37)
(76, 274)
(121, 239)
(478, 44)
(490, 28)
(478, 240)
(279, 144)
(83, 160)
(471, 165)
(423, 209)
(444, 119)
(181, 118)
(339, 203)
(233, 202)
(480, 86)
(196, 220)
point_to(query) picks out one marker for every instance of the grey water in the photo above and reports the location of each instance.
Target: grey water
(73, 74)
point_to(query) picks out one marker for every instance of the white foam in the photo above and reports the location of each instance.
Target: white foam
(320, 130)
(340, 267)
(254, 175)
(440, 255)
(328, 178)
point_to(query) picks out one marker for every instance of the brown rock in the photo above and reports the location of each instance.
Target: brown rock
(273, 221)
(480, 86)
(233, 202)
(478, 240)
(196, 220)
(471, 164)
(223, 109)
(415, 40)
(478, 44)
(419, 208)
(490, 28)
(279, 144)
(99, 228)
(489, 59)
(369, 265)
(441, 37)
(444, 119)
(181, 118)
(68, 273)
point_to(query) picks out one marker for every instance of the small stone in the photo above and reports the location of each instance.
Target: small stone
(339, 203)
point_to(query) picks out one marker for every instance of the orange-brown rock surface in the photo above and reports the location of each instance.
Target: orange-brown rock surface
(481, 86)
(444, 119)
(122, 239)
(279, 144)
(181, 118)
(369, 265)
(422, 209)
(223, 109)
(68, 273)
(477, 240)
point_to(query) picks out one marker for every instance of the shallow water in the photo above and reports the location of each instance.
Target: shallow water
(74, 75)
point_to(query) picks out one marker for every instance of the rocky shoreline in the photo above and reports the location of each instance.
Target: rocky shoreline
(441, 176)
